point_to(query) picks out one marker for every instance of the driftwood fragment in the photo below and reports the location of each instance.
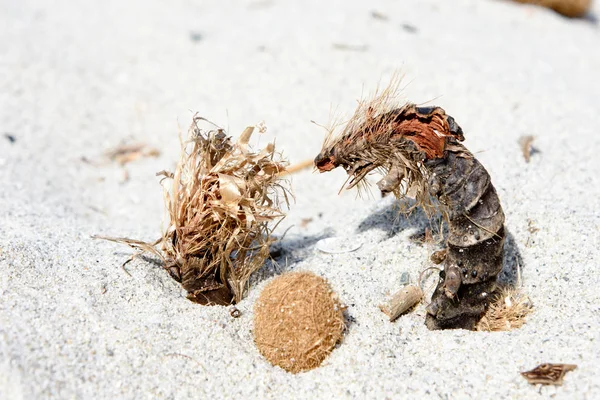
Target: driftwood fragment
(402, 301)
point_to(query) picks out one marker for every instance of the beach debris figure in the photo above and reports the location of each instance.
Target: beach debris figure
(221, 201)
(418, 151)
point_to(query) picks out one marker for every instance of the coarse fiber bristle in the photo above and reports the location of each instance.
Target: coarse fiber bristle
(381, 102)
(507, 311)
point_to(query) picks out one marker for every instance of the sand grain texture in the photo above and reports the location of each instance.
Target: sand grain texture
(79, 78)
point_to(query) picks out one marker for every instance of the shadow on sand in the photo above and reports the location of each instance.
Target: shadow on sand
(393, 221)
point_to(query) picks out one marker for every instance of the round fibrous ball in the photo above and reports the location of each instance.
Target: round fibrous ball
(298, 320)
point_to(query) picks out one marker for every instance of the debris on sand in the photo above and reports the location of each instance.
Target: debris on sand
(220, 202)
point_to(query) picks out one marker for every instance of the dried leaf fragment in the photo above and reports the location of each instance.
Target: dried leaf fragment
(548, 374)
(305, 221)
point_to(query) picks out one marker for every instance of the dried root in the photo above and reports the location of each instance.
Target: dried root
(418, 152)
(220, 202)
(507, 311)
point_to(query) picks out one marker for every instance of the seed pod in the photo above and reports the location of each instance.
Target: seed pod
(419, 152)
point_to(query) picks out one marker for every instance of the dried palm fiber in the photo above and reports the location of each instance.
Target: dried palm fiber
(568, 8)
(418, 151)
(220, 201)
(507, 311)
(298, 320)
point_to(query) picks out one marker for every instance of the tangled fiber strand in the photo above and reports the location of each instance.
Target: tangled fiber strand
(220, 202)
(507, 311)
(298, 320)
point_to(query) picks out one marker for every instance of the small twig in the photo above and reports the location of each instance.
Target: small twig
(402, 301)
(297, 167)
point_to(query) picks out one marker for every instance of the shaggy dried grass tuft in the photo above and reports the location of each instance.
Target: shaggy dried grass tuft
(298, 320)
(373, 117)
(371, 135)
(220, 201)
(568, 8)
(506, 312)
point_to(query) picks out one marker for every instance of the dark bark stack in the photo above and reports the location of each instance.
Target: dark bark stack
(475, 242)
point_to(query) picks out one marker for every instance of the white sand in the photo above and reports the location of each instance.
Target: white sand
(77, 78)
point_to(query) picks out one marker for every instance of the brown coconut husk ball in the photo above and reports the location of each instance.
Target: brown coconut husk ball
(569, 8)
(298, 320)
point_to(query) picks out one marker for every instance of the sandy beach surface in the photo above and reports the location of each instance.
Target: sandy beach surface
(80, 78)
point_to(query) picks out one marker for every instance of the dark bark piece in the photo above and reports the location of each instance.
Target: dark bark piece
(475, 241)
(207, 289)
(477, 262)
(463, 311)
(221, 296)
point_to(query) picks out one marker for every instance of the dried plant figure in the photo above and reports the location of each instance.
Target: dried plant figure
(220, 203)
(418, 150)
(548, 374)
